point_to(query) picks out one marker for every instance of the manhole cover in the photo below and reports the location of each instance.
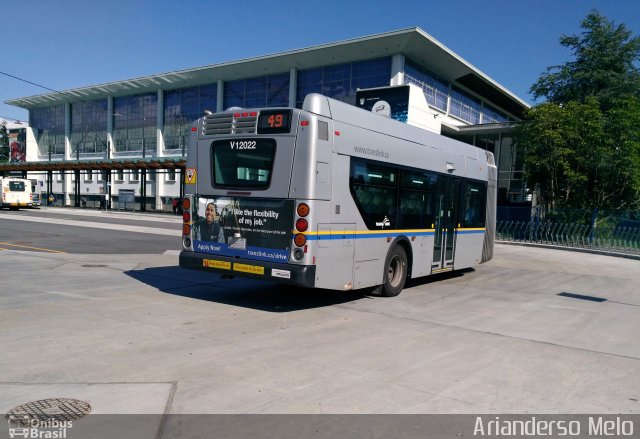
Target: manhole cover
(59, 409)
(93, 265)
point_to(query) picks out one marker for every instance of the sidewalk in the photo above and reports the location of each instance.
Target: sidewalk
(137, 215)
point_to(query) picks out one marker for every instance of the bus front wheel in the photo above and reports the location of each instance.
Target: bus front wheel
(395, 272)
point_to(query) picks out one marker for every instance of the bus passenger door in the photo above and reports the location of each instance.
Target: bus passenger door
(447, 200)
(335, 253)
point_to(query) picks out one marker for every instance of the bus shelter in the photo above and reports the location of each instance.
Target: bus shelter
(106, 167)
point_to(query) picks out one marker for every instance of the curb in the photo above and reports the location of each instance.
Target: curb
(573, 249)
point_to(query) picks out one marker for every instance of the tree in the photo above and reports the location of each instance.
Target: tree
(562, 142)
(582, 147)
(623, 132)
(4, 142)
(604, 65)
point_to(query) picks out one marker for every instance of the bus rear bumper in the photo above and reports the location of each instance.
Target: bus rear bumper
(18, 204)
(302, 275)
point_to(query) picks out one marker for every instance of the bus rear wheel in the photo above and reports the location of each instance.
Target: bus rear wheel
(395, 272)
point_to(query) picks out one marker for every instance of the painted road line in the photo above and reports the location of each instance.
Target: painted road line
(94, 225)
(30, 248)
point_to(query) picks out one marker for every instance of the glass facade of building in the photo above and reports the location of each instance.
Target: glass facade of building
(263, 91)
(340, 81)
(182, 107)
(89, 127)
(134, 124)
(464, 106)
(135, 118)
(48, 128)
(449, 99)
(435, 89)
(491, 115)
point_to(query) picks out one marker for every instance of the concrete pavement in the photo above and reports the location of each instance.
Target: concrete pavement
(497, 339)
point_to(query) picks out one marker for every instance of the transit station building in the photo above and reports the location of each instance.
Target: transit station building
(130, 137)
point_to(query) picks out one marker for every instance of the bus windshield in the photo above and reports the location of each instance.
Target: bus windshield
(16, 186)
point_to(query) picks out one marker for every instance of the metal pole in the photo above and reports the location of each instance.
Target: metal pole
(78, 194)
(143, 191)
(181, 176)
(594, 215)
(76, 186)
(108, 191)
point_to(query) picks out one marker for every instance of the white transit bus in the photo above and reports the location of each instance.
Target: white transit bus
(36, 192)
(333, 196)
(16, 192)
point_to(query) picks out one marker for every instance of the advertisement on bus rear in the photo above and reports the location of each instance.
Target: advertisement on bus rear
(258, 229)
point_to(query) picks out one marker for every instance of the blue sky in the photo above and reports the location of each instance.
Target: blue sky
(64, 44)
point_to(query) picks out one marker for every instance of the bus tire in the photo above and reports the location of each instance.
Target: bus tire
(395, 272)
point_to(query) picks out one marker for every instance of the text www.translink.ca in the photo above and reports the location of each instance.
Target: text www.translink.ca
(377, 152)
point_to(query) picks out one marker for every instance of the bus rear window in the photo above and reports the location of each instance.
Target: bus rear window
(243, 163)
(16, 186)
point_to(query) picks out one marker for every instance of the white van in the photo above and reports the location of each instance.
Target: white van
(16, 192)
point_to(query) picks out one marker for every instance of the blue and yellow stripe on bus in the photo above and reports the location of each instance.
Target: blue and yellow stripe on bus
(364, 234)
(470, 230)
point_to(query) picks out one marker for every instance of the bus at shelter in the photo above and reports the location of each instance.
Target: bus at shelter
(16, 192)
(333, 196)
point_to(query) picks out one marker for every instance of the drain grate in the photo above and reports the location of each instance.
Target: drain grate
(582, 297)
(59, 409)
(94, 265)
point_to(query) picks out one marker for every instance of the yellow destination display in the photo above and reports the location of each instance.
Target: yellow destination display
(253, 269)
(216, 264)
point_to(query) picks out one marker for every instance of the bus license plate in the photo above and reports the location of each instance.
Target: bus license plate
(284, 274)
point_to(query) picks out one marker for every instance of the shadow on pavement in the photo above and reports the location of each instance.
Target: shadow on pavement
(255, 294)
(437, 278)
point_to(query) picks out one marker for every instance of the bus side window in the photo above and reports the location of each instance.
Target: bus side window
(374, 189)
(474, 205)
(416, 200)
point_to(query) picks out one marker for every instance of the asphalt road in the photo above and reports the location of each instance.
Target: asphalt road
(82, 232)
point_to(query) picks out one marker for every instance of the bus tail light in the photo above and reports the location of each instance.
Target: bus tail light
(186, 217)
(302, 225)
(300, 239)
(303, 209)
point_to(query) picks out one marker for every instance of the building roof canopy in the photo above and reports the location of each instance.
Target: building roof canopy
(413, 42)
(115, 164)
